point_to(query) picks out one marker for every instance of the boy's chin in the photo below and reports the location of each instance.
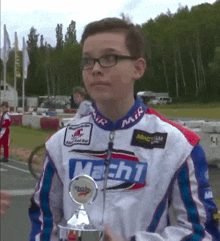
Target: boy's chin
(101, 96)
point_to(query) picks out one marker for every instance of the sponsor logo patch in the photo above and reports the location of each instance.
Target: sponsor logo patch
(215, 216)
(122, 170)
(78, 134)
(149, 140)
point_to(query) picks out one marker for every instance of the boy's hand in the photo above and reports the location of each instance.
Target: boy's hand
(5, 201)
(110, 234)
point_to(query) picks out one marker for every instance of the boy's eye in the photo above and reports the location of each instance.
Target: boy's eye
(87, 60)
(109, 57)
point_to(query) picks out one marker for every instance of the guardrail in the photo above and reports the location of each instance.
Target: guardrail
(210, 138)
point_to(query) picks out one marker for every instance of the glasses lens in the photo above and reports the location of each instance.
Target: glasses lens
(87, 63)
(108, 60)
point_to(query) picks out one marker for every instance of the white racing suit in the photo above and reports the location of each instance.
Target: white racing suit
(155, 164)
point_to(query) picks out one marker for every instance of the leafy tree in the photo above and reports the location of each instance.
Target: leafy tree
(34, 80)
(59, 36)
(32, 40)
(215, 74)
(215, 65)
(70, 37)
(41, 41)
(182, 55)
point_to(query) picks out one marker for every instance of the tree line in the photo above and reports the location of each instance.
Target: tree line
(182, 52)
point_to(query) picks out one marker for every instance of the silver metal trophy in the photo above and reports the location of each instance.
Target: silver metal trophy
(83, 191)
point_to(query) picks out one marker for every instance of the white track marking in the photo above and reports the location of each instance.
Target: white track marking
(20, 162)
(17, 168)
(20, 192)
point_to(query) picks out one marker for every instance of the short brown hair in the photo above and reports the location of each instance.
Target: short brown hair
(5, 103)
(80, 90)
(135, 41)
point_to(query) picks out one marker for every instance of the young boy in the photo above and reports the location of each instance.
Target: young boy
(4, 130)
(154, 164)
(85, 106)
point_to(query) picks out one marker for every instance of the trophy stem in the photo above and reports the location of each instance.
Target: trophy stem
(83, 190)
(80, 219)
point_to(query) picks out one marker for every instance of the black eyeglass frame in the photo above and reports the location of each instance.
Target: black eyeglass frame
(116, 56)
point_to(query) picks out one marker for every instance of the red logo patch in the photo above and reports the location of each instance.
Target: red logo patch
(78, 133)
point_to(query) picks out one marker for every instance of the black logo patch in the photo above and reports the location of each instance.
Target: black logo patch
(215, 217)
(149, 140)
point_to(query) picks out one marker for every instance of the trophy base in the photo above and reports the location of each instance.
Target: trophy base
(74, 234)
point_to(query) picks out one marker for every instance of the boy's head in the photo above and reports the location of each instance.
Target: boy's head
(112, 60)
(79, 94)
(4, 106)
(134, 40)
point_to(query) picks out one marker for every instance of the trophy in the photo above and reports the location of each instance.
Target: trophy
(83, 191)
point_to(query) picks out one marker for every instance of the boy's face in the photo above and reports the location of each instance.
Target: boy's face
(111, 83)
(78, 98)
(4, 108)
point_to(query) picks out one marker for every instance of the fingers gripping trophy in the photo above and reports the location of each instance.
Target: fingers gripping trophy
(83, 191)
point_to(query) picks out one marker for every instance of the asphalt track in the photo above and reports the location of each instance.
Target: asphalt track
(16, 179)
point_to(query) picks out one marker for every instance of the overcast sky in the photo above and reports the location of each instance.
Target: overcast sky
(44, 15)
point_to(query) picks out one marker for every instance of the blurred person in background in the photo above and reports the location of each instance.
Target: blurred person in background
(85, 105)
(82, 99)
(72, 102)
(4, 130)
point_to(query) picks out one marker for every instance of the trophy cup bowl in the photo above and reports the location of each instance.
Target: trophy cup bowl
(83, 190)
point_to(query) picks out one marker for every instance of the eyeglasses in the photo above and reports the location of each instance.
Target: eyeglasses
(105, 61)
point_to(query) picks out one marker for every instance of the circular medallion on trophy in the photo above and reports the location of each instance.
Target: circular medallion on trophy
(83, 189)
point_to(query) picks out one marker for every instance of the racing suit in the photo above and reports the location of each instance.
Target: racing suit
(85, 108)
(155, 164)
(4, 132)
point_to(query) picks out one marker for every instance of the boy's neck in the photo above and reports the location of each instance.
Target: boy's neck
(115, 110)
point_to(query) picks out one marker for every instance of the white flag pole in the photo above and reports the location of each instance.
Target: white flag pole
(26, 62)
(6, 49)
(15, 70)
(5, 62)
(4, 94)
(23, 91)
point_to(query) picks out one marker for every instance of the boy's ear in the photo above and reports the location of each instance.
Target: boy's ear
(140, 67)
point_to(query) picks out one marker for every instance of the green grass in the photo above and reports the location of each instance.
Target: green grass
(193, 113)
(193, 105)
(24, 139)
(194, 110)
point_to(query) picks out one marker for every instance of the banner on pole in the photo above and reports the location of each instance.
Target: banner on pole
(26, 60)
(7, 46)
(17, 57)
